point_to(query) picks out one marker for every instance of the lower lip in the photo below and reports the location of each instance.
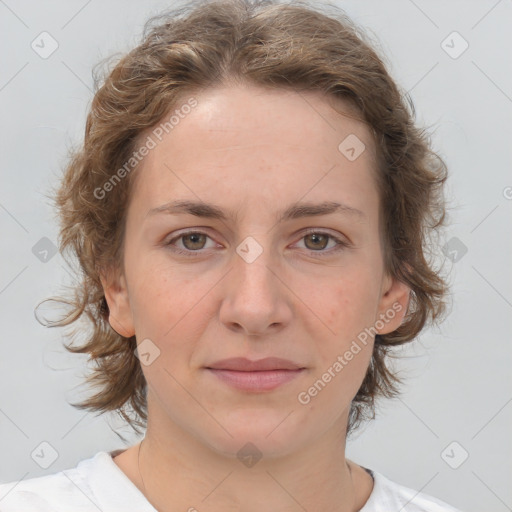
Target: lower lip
(256, 381)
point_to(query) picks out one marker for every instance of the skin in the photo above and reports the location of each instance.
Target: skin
(253, 151)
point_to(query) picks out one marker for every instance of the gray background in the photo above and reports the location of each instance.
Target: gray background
(458, 376)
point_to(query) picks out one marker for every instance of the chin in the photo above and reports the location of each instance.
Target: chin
(267, 432)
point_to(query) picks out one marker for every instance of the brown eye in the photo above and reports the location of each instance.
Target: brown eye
(189, 243)
(318, 241)
(194, 241)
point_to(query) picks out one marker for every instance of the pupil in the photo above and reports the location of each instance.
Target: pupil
(194, 238)
(316, 238)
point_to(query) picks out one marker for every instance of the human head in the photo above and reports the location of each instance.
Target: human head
(288, 47)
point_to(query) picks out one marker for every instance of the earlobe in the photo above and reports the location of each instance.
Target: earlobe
(393, 305)
(116, 295)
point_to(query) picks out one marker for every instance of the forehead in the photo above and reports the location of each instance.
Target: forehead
(255, 114)
(258, 143)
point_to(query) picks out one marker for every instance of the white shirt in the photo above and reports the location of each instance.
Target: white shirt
(97, 484)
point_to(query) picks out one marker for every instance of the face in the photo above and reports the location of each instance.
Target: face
(249, 281)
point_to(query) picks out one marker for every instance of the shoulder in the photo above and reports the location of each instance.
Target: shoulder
(94, 484)
(49, 493)
(388, 495)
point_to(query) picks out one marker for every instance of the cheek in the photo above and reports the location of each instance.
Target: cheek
(343, 355)
(168, 303)
(345, 304)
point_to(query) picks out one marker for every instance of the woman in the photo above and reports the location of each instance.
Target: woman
(250, 208)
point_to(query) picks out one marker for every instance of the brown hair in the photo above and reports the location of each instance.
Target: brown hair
(204, 44)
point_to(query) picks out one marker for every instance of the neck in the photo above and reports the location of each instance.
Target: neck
(178, 472)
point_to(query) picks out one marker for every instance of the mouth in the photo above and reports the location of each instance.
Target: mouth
(255, 376)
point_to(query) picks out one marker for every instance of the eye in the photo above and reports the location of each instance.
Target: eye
(192, 241)
(316, 241)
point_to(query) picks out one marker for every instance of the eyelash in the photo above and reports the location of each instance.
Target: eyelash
(340, 244)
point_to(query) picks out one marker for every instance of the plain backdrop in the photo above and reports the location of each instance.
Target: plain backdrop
(449, 432)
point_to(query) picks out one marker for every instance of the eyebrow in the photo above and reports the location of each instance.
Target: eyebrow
(295, 211)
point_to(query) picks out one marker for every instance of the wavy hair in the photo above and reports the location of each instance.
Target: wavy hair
(203, 44)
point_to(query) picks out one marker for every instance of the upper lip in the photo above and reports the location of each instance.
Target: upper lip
(246, 365)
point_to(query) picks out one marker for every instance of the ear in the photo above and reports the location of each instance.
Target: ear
(116, 295)
(393, 304)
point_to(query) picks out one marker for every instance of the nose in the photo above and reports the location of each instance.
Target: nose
(256, 299)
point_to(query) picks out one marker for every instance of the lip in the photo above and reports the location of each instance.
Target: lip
(242, 364)
(255, 376)
(258, 381)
